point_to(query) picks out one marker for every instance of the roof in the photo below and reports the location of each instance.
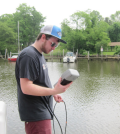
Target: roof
(114, 44)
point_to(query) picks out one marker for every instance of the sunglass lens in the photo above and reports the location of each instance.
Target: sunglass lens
(53, 44)
(57, 45)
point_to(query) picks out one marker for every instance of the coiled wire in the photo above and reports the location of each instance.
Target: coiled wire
(57, 119)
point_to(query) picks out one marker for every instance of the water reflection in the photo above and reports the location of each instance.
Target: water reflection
(93, 100)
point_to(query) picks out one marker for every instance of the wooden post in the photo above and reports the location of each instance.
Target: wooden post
(18, 39)
(10, 54)
(101, 53)
(5, 53)
(88, 55)
(77, 54)
(101, 56)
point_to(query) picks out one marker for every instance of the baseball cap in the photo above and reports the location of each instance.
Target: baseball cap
(53, 31)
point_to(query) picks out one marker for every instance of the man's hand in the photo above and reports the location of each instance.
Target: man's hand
(60, 88)
(58, 98)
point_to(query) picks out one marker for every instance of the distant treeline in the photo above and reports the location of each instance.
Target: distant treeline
(85, 31)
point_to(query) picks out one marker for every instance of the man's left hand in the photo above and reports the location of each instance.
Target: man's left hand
(58, 98)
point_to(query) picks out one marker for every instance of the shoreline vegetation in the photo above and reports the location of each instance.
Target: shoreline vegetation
(60, 52)
(83, 31)
(91, 57)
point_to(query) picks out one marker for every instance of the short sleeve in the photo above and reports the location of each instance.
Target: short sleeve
(28, 68)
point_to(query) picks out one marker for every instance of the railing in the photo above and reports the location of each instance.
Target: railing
(13, 53)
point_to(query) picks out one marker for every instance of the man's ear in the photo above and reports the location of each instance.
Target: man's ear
(43, 36)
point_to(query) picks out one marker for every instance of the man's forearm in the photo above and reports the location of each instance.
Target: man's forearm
(29, 88)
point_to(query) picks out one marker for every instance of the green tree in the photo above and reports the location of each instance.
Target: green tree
(85, 31)
(95, 18)
(95, 29)
(107, 20)
(114, 32)
(30, 22)
(72, 36)
(8, 19)
(115, 17)
(7, 38)
(117, 51)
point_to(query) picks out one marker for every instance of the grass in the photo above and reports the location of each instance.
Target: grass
(108, 53)
(103, 53)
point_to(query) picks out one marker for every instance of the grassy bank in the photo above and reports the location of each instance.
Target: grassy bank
(104, 53)
(108, 53)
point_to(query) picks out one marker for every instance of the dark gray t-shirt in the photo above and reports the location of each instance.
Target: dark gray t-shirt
(31, 64)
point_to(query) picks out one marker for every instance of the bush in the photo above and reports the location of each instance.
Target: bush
(117, 50)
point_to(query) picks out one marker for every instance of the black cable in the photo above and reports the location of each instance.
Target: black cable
(45, 101)
(53, 118)
(51, 112)
(66, 117)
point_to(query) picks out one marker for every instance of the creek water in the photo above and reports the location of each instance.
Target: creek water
(92, 101)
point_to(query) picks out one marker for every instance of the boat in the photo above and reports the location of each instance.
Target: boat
(13, 58)
(69, 57)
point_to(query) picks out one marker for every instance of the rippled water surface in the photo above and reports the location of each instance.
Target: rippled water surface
(93, 100)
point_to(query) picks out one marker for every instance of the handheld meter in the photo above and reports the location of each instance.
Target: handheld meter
(69, 76)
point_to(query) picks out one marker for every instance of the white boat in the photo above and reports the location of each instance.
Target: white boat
(69, 57)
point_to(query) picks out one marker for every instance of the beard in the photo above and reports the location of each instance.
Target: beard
(44, 48)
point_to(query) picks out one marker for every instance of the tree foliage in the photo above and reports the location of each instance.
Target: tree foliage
(30, 22)
(83, 31)
(114, 32)
(7, 38)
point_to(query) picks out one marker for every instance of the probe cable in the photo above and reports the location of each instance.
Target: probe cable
(51, 112)
(66, 117)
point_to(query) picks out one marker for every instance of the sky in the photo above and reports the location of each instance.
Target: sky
(56, 11)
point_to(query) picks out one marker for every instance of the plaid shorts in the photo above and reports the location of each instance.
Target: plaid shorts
(38, 127)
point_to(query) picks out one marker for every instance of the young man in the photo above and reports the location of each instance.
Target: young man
(34, 89)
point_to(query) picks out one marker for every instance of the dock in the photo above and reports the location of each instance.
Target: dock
(51, 58)
(90, 58)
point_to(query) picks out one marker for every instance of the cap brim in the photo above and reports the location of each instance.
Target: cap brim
(60, 40)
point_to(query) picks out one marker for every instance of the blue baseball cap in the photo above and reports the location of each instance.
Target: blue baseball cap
(53, 31)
